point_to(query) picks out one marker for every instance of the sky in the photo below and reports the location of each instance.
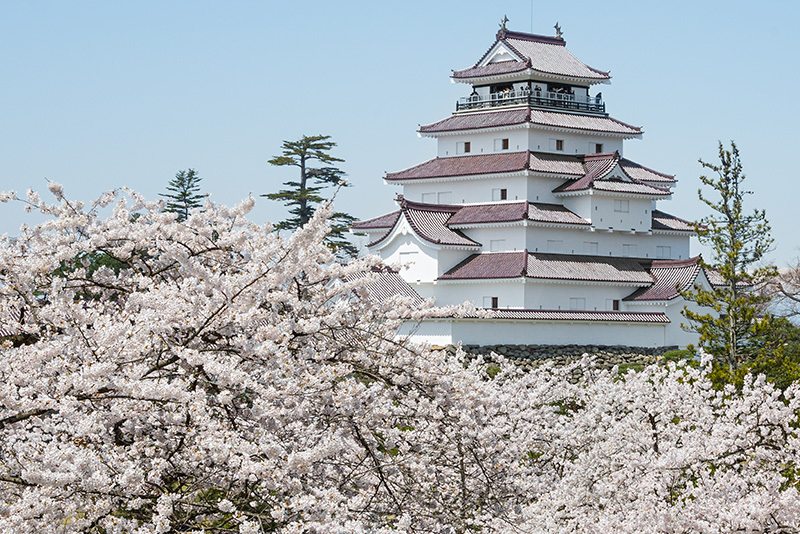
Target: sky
(100, 95)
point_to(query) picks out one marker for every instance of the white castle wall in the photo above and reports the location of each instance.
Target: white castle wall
(496, 332)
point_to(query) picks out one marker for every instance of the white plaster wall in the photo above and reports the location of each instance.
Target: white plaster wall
(539, 141)
(436, 333)
(420, 263)
(473, 191)
(449, 258)
(551, 296)
(579, 205)
(540, 189)
(638, 217)
(513, 237)
(509, 294)
(488, 332)
(482, 142)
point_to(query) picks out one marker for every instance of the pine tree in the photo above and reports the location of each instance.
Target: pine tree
(303, 196)
(734, 331)
(184, 193)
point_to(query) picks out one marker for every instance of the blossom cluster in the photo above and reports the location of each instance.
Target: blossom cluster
(211, 376)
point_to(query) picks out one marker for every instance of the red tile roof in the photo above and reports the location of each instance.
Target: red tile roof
(643, 174)
(598, 167)
(464, 166)
(384, 221)
(671, 277)
(665, 221)
(547, 55)
(589, 166)
(10, 322)
(428, 222)
(550, 267)
(453, 216)
(557, 164)
(551, 119)
(387, 284)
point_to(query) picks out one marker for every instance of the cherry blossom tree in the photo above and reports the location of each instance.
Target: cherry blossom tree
(221, 378)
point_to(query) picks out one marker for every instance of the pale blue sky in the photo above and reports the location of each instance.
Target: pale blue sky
(98, 95)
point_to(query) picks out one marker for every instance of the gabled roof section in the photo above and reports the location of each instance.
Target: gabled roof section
(548, 119)
(643, 174)
(428, 222)
(671, 277)
(378, 223)
(547, 266)
(513, 212)
(464, 166)
(604, 173)
(665, 221)
(540, 54)
(387, 284)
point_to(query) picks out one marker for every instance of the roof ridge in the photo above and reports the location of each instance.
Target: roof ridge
(534, 37)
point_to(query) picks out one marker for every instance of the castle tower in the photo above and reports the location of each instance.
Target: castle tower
(531, 209)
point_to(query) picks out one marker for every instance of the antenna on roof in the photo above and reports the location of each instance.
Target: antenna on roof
(559, 33)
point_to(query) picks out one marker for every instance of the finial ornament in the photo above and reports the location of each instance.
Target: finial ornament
(559, 34)
(503, 23)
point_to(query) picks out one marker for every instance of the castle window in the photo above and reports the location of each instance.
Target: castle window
(554, 245)
(590, 247)
(490, 302)
(577, 303)
(499, 194)
(429, 198)
(463, 147)
(629, 250)
(500, 144)
(598, 148)
(663, 252)
(444, 197)
(559, 144)
(497, 245)
(622, 206)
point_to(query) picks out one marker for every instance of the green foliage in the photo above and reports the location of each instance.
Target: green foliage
(302, 197)
(733, 332)
(184, 193)
(778, 358)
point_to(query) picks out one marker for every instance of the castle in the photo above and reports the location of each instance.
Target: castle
(531, 210)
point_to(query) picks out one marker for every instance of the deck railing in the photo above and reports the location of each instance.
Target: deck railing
(545, 99)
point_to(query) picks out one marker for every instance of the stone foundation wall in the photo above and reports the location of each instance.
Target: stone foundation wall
(531, 356)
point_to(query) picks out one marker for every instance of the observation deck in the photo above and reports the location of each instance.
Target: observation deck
(541, 99)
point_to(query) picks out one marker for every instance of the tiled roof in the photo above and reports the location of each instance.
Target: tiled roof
(665, 221)
(493, 265)
(549, 266)
(515, 211)
(598, 167)
(428, 221)
(587, 268)
(641, 173)
(552, 119)
(586, 166)
(557, 164)
(388, 284)
(10, 322)
(472, 121)
(548, 55)
(671, 277)
(580, 315)
(464, 166)
(583, 122)
(384, 221)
